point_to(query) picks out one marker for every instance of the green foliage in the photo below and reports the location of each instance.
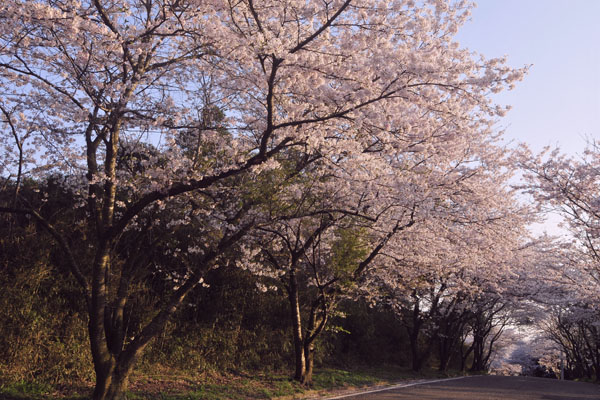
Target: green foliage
(199, 144)
(374, 337)
(43, 335)
(347, 251)
(229, 325)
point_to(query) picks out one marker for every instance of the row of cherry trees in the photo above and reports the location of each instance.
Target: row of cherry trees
(564, 284)
(333, 148)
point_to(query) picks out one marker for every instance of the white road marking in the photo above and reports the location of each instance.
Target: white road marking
(399, 386)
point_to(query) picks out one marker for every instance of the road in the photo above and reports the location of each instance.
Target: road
(489, 388)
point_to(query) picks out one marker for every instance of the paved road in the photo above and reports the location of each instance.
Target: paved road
(490, 388)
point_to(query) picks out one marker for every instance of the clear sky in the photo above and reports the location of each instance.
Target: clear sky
(558, 102)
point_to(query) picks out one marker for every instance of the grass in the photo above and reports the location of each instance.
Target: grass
(232, 386)
(38, 391)
(23, 390)
(328, 379)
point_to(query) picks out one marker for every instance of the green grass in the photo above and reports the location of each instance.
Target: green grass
(234, 386)
(369, 376)
(40, 391)
(25, 390)
(333, 378)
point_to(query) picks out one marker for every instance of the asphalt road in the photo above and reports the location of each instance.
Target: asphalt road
(490, 388)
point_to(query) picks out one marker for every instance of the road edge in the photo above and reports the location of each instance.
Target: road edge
(392, 387)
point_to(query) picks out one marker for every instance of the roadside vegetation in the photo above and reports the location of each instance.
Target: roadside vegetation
(45, 355)
(234, 386)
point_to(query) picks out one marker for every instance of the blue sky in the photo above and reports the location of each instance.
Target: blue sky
(558, 102)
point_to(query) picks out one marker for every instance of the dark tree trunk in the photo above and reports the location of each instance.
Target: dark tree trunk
(418, 355)
(111, 386)
(445, 354)
(451, 328)
(299, 374)
(464, 355)
(446, 344)
(448, 349)
(477, 366)
(416, 360)
(415, 351)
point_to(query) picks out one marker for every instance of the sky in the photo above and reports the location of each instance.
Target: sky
(558, 102)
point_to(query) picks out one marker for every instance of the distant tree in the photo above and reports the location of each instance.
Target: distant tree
(466, 248)
(568, 287)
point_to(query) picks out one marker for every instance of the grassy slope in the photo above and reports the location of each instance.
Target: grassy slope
(229, 386)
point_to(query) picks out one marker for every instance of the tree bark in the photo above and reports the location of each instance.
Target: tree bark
(414, 349)
(312, 332)
(451, 327)
(309, 351)
(414, 330)
(478, 352)
(445, 354)
(464, 355)
(299, 374)
(104, 362)
(112, 386)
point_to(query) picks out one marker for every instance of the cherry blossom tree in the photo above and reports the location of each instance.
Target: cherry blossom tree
(319, 249)
(570, 186)
(335, 229)
(83, 81)
(455, 271)
(567, 307)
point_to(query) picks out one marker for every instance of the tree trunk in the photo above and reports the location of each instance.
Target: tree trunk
(444, 355)
(414, 330)
(478, 354)
(452, 328)
(104, 362)
(464, 355)
(103, 383)
(299, 374)
(114, 363)
(309, 352)
(112, 386)
(414, 350)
